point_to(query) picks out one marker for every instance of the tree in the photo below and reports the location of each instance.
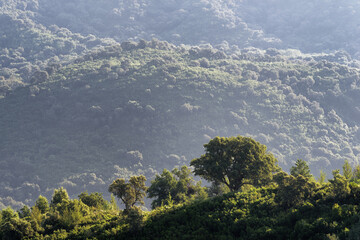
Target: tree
(94, 200)
(161, 188)
(7, 214)
(322, 177)
(339, 185)
(235, 161)
(12, 227)
(176, 186)
(113, 205)
(301, 168)
(293, 190)
(347, 170)
(72, 213)
(130, 193)
(60, 195)
(16, 228)
(36, 217)
(42, 204)
(24, 212)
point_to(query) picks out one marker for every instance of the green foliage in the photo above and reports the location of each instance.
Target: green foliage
(177, 186)
(356, 174)
(16, 229)
(59, 197)
(94, 200)
(113, 204)
(42, 204)
(293, 190)
(339, 185)
(7, 214)
(130, 193)
(301, 168)
(36, 218)
(322, 177)
(24, 212)
(235, 161)
(73, 214)
(217, 189)
(347, 170)
(295, 207)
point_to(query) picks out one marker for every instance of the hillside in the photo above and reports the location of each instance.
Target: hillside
(315, 211)
(320, 26)
(140, 107)
(28, 46)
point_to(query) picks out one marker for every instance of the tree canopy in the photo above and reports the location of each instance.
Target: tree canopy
(131, 192)
(235, 161)
(176, 186)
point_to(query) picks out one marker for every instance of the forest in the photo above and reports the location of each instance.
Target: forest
(263, 203)
(108, 94)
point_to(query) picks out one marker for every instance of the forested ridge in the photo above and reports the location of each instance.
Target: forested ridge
(267, 204)
(97, 96)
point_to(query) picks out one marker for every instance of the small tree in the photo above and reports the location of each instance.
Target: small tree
(24, 212)
(301, 168)
(161, 188)
(347, 170)
(322, 177)
(235, 161)
(113, 205)
(339, 185)
(60, 195)
(42, 204)
(176, 186)
(36, 217)
(130, 193)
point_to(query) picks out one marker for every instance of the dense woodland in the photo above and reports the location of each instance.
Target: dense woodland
(95, 95)
(262, 203)
(141, 107)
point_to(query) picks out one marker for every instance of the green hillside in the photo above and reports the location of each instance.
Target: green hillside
(138, 108)
(291, 207)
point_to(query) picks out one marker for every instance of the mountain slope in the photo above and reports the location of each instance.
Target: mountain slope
(28, 46)
(138, 108)
(310, 27)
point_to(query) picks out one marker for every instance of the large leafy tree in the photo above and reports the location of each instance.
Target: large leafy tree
(131, 192)
(235, 161)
